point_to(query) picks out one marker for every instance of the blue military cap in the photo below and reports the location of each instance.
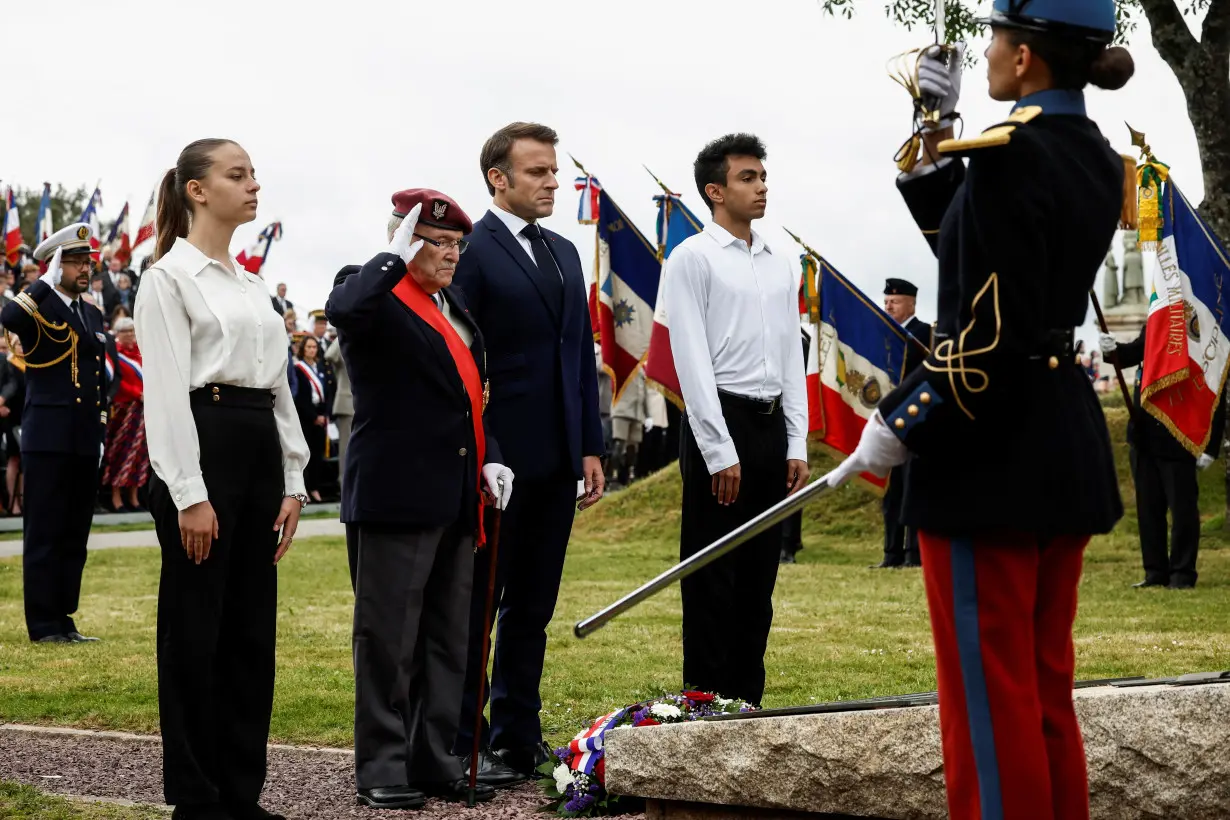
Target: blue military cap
(1086, 19)
(71, 239)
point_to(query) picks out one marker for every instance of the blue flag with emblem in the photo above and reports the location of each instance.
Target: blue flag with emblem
(676, 222)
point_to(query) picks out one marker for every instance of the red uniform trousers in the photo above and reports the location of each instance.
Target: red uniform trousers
(1002, 610)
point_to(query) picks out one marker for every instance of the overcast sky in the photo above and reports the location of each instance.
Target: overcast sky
(340, 104)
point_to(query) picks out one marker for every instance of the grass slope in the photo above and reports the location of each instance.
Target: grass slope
(840, 631)
(19, 802)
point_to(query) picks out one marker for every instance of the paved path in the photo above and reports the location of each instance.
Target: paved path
(303, 783)
(146, 538)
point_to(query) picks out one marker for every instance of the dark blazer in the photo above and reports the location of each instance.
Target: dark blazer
(411, 460)
(278, 308)
(60, 415)
(544, 383)
(13, 391)
(921, 331)
(113, 384)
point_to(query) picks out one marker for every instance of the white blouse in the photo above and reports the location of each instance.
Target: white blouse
(198, 323)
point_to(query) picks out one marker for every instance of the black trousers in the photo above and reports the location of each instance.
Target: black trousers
(728, 605)
(1162, 485)
(313, 476)
(534, 536)
(216, 620)
(60, 489)
(411, 619)
(900, 541)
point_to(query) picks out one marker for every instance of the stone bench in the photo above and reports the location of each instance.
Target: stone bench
(1155, 751)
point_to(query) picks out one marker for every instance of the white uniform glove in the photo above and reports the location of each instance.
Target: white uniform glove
(1107, 343)
(402, 242)
(943, 81)
(1204, 461)
(878, 451)
(493, 476)
(52, 276)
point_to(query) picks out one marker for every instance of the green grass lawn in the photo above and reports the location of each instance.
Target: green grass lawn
(15, 535)
(27, 803)
(840, 630)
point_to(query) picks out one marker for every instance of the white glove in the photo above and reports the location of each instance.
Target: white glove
(52, 276)
(401, 243)
(1107, 343)
(943, 81)
(1204, 461)
(878, 451)
(493, 476)
(648, 425)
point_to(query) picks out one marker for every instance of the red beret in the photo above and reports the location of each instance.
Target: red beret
(438, 210)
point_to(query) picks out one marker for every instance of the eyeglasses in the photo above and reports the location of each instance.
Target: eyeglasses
(459, 244)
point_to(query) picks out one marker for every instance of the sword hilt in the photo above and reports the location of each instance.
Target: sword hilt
(929, 103)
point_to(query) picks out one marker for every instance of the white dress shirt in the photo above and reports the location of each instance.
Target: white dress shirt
(461, 327)
(198, 323)
(516, 225)
(733, 315)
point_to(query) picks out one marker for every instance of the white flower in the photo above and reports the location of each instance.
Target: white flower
(563, 777)
(720, 701)
(665, 710)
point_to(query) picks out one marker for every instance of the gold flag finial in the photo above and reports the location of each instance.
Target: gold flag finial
(580, 167)
(1139, 141)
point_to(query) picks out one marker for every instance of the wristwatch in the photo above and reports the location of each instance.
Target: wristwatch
(300, 497)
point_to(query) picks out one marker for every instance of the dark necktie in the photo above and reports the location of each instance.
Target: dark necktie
(80, 315)
(548, 272)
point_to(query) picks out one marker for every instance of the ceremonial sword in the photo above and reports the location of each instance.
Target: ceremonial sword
(774, 515)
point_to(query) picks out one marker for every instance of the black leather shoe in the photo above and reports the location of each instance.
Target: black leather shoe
(53, 639)
(492, 771)
(1180, 585)
(392, 797)
(252, 811)
(1148, 583)
(458, 791)
(210, 811)
(526, 759)
(885, 564)
(786, 558)
(77, 637)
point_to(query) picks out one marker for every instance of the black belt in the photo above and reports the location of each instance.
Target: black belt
(764, 406)
(228, 395)
(1057, 343)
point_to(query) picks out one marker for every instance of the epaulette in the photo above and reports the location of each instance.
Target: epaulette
(996, 135)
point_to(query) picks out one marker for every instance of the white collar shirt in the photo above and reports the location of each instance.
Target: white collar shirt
(200, 323)
(733, 314)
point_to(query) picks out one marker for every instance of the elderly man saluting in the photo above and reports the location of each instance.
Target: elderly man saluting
(418, 462)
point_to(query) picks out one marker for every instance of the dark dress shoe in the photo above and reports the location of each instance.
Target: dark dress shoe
(786, 558)
(1180, 585)
(492, 771)
(209, 811)
(885, 564)
(1148, 583)
(457, 791)
(77, 637)
(252, 811)
(53, 639)
(526, 759)
(392, 797)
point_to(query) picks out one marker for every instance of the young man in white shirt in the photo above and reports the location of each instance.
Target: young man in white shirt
(733, 306)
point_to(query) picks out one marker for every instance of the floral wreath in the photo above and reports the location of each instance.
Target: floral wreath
(576, 779)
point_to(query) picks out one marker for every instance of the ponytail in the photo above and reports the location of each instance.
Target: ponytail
(174, 208)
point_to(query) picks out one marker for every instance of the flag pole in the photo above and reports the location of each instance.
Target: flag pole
(1114, 359)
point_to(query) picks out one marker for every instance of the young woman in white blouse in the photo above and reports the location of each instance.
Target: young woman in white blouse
(228, 457)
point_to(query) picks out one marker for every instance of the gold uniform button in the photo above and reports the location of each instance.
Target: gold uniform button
(77, 385)
(97, 359)
(461, 452)
(216, 390)
(899, 424)
(1052, 363)
(912, 409)
(217, 398)
(925, 398)
(78, 400)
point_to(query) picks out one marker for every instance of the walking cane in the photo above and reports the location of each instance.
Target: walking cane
(1114, 359)
(494, 548)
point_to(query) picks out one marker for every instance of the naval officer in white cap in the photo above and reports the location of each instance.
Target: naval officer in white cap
(64, 422)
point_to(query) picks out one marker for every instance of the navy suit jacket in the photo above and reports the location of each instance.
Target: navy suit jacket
(544, 384)
(60, 415)
(411, 460)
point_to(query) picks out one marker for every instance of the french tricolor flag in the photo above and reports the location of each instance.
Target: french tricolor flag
(857, 357)
(90, 217)
(675, 224)
(12, 228)
(118, 242)
(44, 228)
(588, 207)
(145, 230)
(253, 258)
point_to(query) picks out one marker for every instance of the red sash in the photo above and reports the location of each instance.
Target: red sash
(411, 294)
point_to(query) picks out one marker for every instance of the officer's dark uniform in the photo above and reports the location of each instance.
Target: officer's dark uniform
(1012, 470)
(64, 423)
(900, 541)
(1165, 476)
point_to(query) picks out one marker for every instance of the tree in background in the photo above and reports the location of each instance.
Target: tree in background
(66, 206)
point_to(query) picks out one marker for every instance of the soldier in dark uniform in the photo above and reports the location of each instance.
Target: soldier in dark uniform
(411, 500)
(1164, 473)
(900, 541)
(1011, 470)
(64, 423)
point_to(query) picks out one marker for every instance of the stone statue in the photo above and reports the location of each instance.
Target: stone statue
(1110, 281)
(1133, 271)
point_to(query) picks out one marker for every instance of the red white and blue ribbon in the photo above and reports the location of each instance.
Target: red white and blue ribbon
(110, 365)
(587, 210)
(318, 388)
(589, 742)
(133, 365)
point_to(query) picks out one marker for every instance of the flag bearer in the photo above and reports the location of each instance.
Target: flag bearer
(1010, 461)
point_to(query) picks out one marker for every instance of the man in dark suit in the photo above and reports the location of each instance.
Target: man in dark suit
(280, 303)
(526, 290)
(1164, 473)
(901, 542)
(64, 423)
(421, 447)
